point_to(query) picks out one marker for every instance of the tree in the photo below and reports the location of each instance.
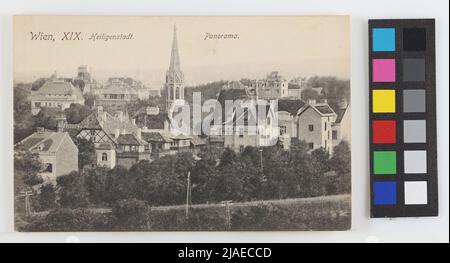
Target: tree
(96, 181)
(23, 119)
(72, 190)
(27, 166)
(47, 197)
(37, 84)
(86, 152)
(341, 164)
(76, 113)
(131, 215)
(89, 100)
(120, 185)
(46, 118)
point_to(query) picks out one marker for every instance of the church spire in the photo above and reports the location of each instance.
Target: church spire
(174, 58)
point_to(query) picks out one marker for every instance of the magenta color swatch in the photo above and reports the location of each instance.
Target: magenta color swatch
(383, 70)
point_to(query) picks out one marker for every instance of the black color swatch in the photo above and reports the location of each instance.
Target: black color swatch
(414, 39)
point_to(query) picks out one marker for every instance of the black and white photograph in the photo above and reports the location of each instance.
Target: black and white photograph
(128, 123)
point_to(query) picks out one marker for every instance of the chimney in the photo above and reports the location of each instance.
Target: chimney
(139, 134)
(325, 101)
(116, 133)
(100, 109)
(144, 129)
(40, 129)
(133, 121)
(123, 131)
(60, 123)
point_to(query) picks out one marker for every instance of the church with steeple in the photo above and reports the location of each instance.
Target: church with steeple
(174, 85)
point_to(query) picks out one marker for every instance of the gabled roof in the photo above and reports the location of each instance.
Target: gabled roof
(130, 139)
(155, 137)
(106, 122)
(290, 106)
(47, 141)
(323, 109)
(340, 114)
(58, 88)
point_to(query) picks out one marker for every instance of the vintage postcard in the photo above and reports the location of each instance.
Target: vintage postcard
(182, 123)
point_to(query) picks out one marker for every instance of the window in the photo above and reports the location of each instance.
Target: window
(311, 145)
(282, 130)
(334, 135)
(37, 104)
(177, 93)
(241, 148)
(325, 126)
(48, 168)
(311, 127)
(326, 144)
(104, 157)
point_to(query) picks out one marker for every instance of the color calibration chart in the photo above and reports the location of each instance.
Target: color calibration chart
(402, 99)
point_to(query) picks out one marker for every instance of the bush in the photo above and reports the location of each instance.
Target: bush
(64, 219)
(131, 215)
(46, 198)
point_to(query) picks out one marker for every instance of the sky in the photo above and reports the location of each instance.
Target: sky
(295, 46)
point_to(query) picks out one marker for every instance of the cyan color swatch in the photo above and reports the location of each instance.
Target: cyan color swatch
(383, 39)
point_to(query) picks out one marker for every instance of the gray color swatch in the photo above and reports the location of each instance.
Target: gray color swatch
(414, 131)
(414, 100)
(415, 162)
(414, 69)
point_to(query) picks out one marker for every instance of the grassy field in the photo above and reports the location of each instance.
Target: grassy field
(305, 214)
(318, 213)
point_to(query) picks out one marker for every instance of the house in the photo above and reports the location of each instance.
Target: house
(287, 113)
(155, 126)
(55, 93)
(117, 92)
(109, 132)
(341, 128)
(274, 86)
(105, 154)
(251, 128)
(56, 151)
(159, 142)
(131, 148)
(315, 125)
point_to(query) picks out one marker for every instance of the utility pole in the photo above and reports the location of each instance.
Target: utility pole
(26, 195)
(188, 194)
(227, 205)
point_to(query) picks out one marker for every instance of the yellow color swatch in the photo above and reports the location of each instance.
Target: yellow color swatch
(383, 101)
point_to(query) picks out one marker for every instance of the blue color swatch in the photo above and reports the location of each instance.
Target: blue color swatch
(385, 193)
(383, 39)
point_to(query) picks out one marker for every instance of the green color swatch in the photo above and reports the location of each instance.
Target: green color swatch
(385, 162)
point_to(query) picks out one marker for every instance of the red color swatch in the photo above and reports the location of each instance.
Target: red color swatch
(384, 131)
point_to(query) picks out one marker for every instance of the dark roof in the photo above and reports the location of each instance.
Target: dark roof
(291, 106)
(293, 86)
(324, 109)
(129, 139)
(151, 121)
(232, 94)
(340, 114)
(154, 137)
